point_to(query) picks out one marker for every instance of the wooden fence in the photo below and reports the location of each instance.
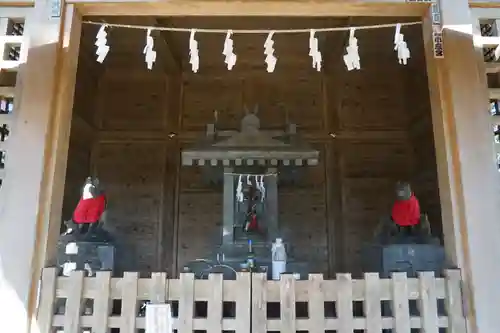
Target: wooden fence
(251, 303)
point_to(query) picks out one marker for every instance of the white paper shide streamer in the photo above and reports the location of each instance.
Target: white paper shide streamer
(314, 52)
(259, 180)
(150, 54)
(259, 184)
(228, 51)
(101, 40)
(269, 52)
(194, 58)
(400, 46)
(239, 189)
(351, 59)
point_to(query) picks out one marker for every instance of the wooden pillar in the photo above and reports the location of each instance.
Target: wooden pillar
(228, 213)
(272, 211)
(468, 180)
(36, 164)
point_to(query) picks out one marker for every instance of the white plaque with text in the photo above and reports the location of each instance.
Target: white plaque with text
(158, 318)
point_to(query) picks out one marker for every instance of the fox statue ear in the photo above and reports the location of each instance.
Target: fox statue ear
(256, 109)
(245, 109)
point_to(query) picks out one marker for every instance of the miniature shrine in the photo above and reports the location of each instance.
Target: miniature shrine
(249, 163)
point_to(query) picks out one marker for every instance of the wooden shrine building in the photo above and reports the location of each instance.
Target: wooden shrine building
(170, 146)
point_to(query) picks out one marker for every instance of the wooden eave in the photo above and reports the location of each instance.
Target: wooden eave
(247, 149)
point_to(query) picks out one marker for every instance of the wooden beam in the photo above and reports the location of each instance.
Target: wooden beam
(467, 173)
(17, 3)
(192, 136)
(484, 3)
(253, 8)
(494, 93)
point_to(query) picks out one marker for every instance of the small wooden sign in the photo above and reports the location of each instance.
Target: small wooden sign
(437, 30)
(436, 14)
(437, 42)
(158, 318)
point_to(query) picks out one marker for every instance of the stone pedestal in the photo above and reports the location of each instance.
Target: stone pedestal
(405, 257)
(409, 258)
(91, 256)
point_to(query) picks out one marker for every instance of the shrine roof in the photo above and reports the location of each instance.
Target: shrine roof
(247, 148)
(251, 145)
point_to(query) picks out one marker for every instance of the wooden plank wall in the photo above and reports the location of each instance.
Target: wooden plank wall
(138, 172)
(372, 151)
(165, 215)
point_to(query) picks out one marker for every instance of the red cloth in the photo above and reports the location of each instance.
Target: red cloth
(406, 212)
(89, 210)
(253, 223)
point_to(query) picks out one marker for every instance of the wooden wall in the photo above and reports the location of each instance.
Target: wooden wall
(367, 111)
(137, 164)
(165, 215)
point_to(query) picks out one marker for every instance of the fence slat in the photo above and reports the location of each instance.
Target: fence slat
(287, 303)
(102, 302)
(400, 303)
(129, 302)
(259, 300)
(158, 288)
(316, 304)
(428, 302)
(47, 299)
(243, 302)
(215, 303)
(74, 303)
(371, 304)
(186, 302)
(454, 302)
(344, 303)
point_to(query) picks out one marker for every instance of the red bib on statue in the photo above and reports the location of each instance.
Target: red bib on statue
(89, 210)
(406, 212)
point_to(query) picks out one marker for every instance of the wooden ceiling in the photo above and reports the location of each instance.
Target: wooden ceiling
(172, 48)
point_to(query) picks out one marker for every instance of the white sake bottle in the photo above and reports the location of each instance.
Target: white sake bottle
(278, 259)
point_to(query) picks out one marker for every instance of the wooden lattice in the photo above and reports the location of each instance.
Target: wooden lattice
(13, 52)
(253, 304)
(6, 110)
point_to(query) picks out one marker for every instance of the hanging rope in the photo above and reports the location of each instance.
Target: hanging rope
(251, 31)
